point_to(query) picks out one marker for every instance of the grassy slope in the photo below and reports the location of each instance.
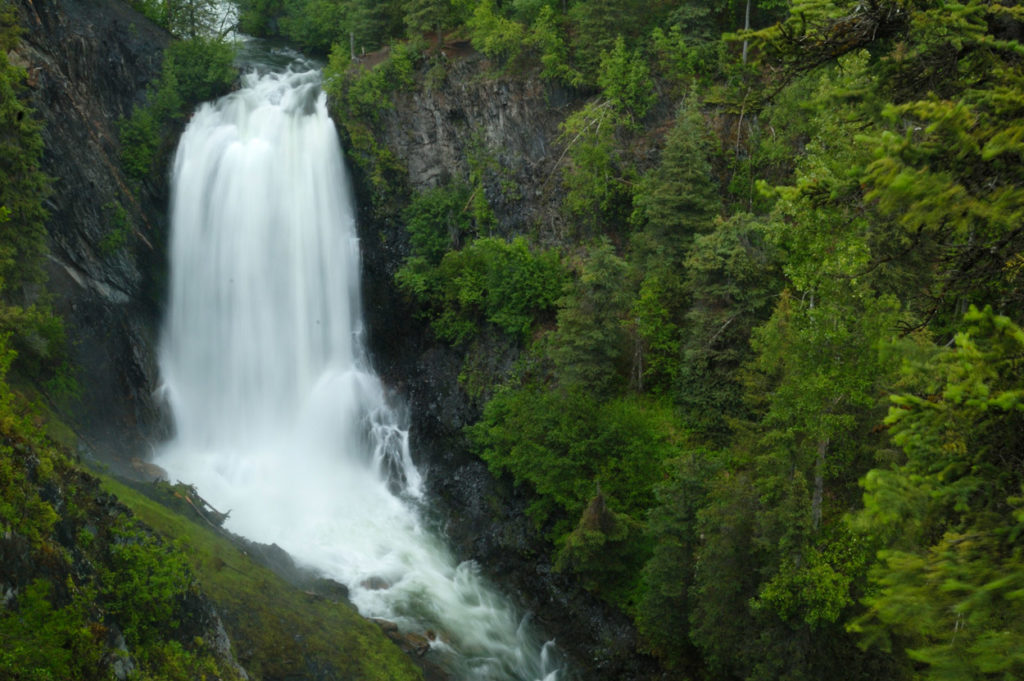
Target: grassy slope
(277, 631)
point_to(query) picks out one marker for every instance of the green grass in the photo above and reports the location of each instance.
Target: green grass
(277, 631)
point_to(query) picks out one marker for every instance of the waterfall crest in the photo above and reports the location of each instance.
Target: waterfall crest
(278, 416)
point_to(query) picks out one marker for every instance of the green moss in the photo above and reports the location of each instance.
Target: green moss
(119, 228)
(277, 631)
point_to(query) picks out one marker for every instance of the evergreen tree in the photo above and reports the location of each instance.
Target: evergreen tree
(674, 202)
(590, 348)
(950, 515)
(425, 16)
(732, 280)
(680, 197)
(597, 24)
(668, 601)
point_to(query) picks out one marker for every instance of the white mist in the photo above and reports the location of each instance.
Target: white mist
(278, 416)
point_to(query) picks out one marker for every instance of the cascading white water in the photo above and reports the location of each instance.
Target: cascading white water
(278, 416)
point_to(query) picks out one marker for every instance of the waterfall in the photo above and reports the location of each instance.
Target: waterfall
(278, 416)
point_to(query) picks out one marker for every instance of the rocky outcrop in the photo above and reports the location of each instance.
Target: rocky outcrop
(88, 63)
(508, 127)
(504, 128)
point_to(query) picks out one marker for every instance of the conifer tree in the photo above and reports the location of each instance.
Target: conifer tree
(590, 346)
(425, 16)
(680, 198)
(951, 515)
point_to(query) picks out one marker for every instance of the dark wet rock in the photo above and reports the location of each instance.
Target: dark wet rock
(147, 471)
(417, 647)
(510, 123)
(375, 583)
(387, 626)
(330, 589)
(88, 64)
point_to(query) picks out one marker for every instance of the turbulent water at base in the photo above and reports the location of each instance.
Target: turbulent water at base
(278, 415)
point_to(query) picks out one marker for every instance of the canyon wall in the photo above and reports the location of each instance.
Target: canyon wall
(88, 64)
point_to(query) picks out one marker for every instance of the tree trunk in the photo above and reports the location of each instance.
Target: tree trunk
(746, 27)
(819, 485)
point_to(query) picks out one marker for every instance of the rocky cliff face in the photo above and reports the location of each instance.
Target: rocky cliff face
(508, 126)
(503, 127)
(88, 63)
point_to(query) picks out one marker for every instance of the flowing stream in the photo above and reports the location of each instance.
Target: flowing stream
(279, 417)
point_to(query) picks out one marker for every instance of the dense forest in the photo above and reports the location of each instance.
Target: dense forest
(767, 397)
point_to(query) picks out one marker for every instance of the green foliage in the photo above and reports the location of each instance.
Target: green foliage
(357, 95)
(814, 382)
(598, 24)
(40, 642)
(368, 91)
(679, 198)
(25, 317)
(425, 16)
(673, 202)
(486, 175)
(23, 188)
(437, 221)
(731, 284)
(140, 139)
(489, 280)
(625, 81)
(201, 69)
(605, 551)
(493, 34)
(193, 71)
(598, 176)
(654, 318)
(22, 510)
(950, 578)
(185, 19)
(119, 228)
(593, 177)
(591, 348)
(277, 631)
(566, 445)
(723, 581)
(259, 17)
(668, 577)
(546, 38)
(676, 59)
(81, 569)
(145, 582)
(317, 25)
